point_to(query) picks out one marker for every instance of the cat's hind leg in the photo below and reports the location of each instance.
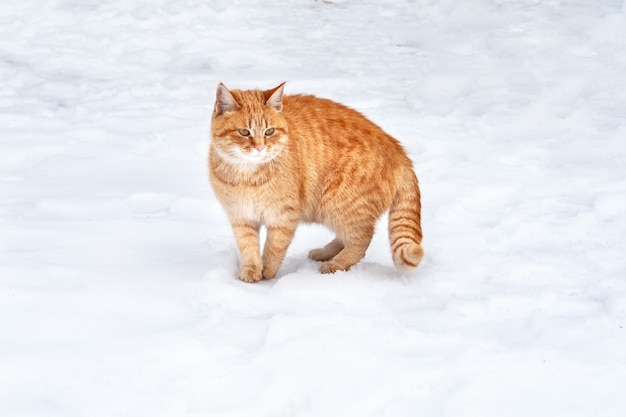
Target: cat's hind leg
(328, 252)
(356, 243)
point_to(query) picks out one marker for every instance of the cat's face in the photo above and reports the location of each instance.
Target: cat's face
(248, 128)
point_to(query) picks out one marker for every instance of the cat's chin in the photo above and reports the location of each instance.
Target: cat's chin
(256, 159)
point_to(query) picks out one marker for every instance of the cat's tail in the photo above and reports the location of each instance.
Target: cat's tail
(405, 230)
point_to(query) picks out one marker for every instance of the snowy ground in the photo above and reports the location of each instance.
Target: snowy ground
(118, 294)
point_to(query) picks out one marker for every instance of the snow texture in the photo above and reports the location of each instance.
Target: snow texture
(118, 289)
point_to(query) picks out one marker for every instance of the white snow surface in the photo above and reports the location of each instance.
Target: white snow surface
(118, 288)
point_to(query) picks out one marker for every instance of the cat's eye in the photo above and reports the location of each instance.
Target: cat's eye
(244, 132)
(270, 131)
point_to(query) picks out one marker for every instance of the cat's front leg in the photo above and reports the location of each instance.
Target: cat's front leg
(279, 237)
(247, 237)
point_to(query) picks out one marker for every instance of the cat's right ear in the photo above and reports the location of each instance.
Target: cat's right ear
(224, 100)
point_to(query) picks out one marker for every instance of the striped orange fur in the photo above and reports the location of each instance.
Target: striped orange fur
(277, 160)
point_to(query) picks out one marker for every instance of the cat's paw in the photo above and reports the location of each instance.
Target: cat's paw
(328, 252)
(329, 267)
(322, 254)
(250, 273)
(269, 273)
(319, 255)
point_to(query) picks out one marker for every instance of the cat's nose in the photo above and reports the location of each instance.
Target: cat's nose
(259, 148)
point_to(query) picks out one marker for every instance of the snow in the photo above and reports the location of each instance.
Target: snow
(118, 289)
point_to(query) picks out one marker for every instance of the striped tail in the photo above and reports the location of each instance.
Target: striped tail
(405, 230)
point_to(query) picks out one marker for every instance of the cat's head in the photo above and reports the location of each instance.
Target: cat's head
(248, 127)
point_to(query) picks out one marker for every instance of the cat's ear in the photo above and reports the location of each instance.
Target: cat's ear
(274, 97)
(224, 100)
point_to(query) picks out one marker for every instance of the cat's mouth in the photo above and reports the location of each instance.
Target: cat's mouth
(258, 156)
(245, 157)
(253, 153)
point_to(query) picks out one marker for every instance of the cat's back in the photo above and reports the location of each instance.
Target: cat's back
(323, 123)
(311, 111)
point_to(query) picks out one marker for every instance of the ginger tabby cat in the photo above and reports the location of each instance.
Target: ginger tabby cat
(276, 161)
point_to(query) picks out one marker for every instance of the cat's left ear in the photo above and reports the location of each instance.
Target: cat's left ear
(274, 97)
